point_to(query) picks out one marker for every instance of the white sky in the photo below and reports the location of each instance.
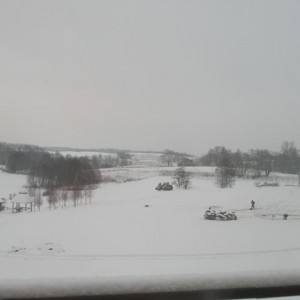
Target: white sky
(156, 74)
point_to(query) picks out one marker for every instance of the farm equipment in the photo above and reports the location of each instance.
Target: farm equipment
(220, 215)
(166, 186)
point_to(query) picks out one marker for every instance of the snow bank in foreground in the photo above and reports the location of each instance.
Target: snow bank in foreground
(135, 285)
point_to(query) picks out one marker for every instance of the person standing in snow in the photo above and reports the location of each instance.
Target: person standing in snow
(252, 204)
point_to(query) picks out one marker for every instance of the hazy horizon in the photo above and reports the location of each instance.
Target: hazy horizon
(69, 148)
(150, 75)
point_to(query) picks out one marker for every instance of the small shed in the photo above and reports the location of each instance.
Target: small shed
(22, 201)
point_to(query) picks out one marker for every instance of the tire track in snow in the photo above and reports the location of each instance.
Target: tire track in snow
(93, 257)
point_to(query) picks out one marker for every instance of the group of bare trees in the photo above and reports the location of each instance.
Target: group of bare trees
(182, 178)
(56, 171)
(257, 163)
(60, 197)
(60, 178)
(261, 162)
(63, 179)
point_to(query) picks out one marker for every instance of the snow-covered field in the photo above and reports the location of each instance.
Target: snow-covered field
(134, 173)
(83, 153)
(117, 244)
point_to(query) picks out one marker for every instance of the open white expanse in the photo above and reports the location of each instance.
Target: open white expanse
(116, 244)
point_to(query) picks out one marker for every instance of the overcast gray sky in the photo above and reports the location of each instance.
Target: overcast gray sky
(184, 75)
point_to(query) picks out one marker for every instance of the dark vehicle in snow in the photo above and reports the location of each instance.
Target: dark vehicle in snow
(212, 214)
(166, 186)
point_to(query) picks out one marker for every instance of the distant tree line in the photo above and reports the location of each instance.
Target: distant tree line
(11, 155)
(120, 159)
(18, 158)
(260, 162)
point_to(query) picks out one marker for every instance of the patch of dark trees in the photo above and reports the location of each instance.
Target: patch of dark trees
(60, 177)
(56, 171)
(49, 171)
(12, 156)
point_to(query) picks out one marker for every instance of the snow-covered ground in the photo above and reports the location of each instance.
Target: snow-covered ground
(10, 183)
(117, 244)
(133, 172)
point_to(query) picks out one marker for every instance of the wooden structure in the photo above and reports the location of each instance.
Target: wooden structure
(22, 201)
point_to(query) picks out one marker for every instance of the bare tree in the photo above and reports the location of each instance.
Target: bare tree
(225, 171)
(168, 157)
(38, 199)
(88, 193)
(52, 198)
(182, 178)
(36, 194)
(76, 194)
(64, 196)
(241, 163)
(224, 177)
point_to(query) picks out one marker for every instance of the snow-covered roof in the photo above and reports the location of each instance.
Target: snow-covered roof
(22, 198)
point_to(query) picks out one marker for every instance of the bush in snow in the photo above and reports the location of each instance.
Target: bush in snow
(182, 178)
